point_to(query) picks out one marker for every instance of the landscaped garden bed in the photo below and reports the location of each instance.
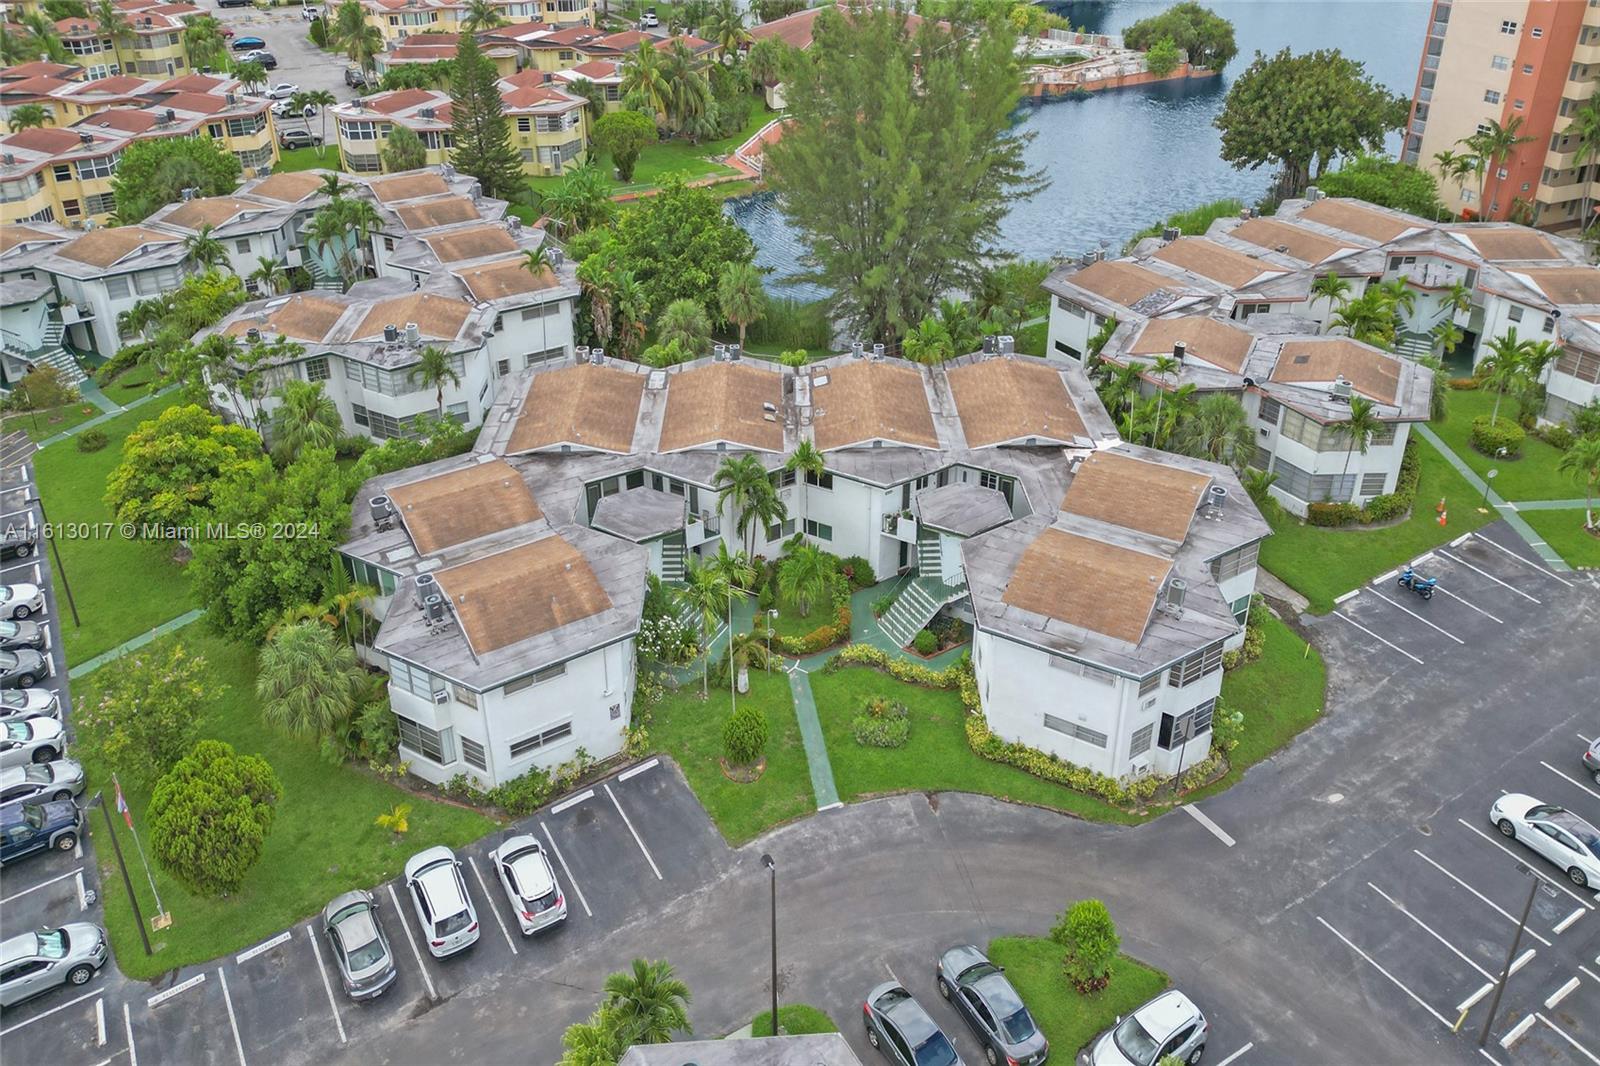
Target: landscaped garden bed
(1071, 1019)
(1530, 475)
(1564, 531)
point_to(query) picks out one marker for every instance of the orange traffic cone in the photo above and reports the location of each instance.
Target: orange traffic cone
(1444, 517)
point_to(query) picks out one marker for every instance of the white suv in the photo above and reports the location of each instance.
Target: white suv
(530, 883)
(444, 910)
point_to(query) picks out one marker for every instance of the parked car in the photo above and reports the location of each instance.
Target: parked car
(310, 13)
(31, 740)
(979, 991)
(287, 109)
(267, 60)
(355, 77)
(20, 601)
(530, 883)
(905, 1034)
(58, 780)
(282, 91)
(1591, 759)
(444, 910)
(1554, 832)
(19, 703)
(18, 540)
(360, 950)
(227, 34)
(648, 20)
(1169, 1025)
(246, 44)
(21, 668)
(29, 827)
(34, 963)
(14, 635)
(298, 139)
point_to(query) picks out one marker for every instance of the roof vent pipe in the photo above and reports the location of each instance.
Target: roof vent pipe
(877, 351)
(413, 335)
(1179, 349)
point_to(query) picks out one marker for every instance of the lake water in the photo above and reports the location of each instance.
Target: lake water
(1121, 160)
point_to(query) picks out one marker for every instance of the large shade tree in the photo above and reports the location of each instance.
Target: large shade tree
(209, 817)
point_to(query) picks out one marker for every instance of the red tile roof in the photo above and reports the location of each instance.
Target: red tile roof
(128, 119)
(395, 102)
(200, 103)
(40, 139)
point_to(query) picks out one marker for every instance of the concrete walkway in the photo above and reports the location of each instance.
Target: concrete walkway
(101, 400)
(1548, 505)
(91, 665)
(805, 713)
(91, 392)
(1507, 510)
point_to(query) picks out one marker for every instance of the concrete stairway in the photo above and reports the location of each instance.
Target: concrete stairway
(1414, 345)
(919, 600)
(672, 567)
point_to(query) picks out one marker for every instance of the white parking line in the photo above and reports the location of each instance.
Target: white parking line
(1549, 881)
(1563, 1035)
(489, 901)
(161, 997)
(238, 1045)
(1385, 576)
(1480, 895)
(1590, 973)
(1561, 993)
(100, 1022)
(1392, 979)
(1216, 830)
(413, 942)
(327, 986)
(1491, 577)
(52, 1010)
(1418, 617)
(1470, 604)
(1236, 1054)
(266, 945)
(1377, 638)
(572, 801)
(1524, 561)
(573, 881)
(1427, 929)
(41, 884)
(1570, 780)
(1564, 924)
(1516, 1032)
(637, 770)
(634, 831)
(1488, 1056)
(127, 1027)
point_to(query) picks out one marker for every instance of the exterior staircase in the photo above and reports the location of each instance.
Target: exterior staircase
(928, 553)
(672, 566)
(51, 353)
(919, 600)
(1414, 345)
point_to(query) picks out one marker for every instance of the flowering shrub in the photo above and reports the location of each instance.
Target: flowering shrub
(882, 723)
(824, 636)
(668, 639)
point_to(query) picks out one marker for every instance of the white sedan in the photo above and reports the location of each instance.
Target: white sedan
(282, 91)
(530, 883)
(20, 601)
(285, 108)
(1554, 832)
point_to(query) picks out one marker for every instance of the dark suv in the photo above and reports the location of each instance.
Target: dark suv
(29, 827)
(18, 540)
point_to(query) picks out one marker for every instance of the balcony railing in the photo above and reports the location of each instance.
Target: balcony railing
(900, 527)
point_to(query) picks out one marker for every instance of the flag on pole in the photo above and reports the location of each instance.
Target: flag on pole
(122, 805)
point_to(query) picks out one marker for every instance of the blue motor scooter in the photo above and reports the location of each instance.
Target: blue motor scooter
(1422, 586)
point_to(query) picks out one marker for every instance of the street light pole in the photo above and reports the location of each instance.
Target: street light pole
(1516, 942)
(127, 882)
(772, 868)
(1493, 473)
(55, 553)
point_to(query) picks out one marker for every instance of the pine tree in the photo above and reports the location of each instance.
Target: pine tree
(483, 140)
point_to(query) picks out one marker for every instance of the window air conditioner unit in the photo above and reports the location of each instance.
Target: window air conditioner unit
(441, 697)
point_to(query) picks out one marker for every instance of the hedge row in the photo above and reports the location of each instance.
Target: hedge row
(1379, 508)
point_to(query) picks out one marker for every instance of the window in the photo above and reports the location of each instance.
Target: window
(1536, 32)
(783, 478)
(433, 745)
(365, 573)
(100, 203)
(1075, 731)
(317, 368)
(1270, 410)
(820, 530)
(457, 411)
(1206, 661)
(1240, 608)
(464, 695)
(1491, 97)
(99, 167)
(1141, 740)
(358, 414)
(242, 245)
(547, 356)
(1181, 728)
(1149, 684)
(823, 481)
(1069, 307)
(71, 208)
(62, 172)
(524, 124)
(246, 126)
(549, 673)
(1083, 670)
(502, 367)
(544, 738)
(360, 163)
(1549, 324)
(782, 532)
(1235, 562)
(413, 679)
(1372, 484)
(1314, 435)
(1518, 105)
(1508, 26)
(1514, 313)
(359, 131)
(1581, 365)
(473, 753)
(1500, 63)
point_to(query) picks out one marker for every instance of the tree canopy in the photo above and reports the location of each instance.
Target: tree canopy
(173, 465)
(899, 159)
(209, 817)
(676, 244)
(1386, 183)
(1205, 35)
(482, 138)
(622, 135)
(155, 172)
(147, 714)
(1300, 112)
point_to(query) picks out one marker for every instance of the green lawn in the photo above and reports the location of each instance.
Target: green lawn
(1563, 531)
(322, 842)
(130, 386)
(1532, 477)
(791, 623)
(937, 758)
(689, 728)
(675, 157)
(796, 1019)
(41, 425)
(1321, 563)
(1032, 339)
(1071, 1020)
(307, 158)
(123, 587)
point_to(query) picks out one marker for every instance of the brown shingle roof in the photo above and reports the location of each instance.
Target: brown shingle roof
(1002, 400)
(105, 247)
(473, 243)
(409, 187)
(290, 187)
(505, 278)
(1353, 218)
(1205, 338)
(865, 401)
(304, 317)
(464, 505)
(210, 211)
(1502, 245)
(1296, 241)
(1568, 285)
(523, 592)
(1121, 283)
(435, 316)
(11, 236)
(1135, 494)
(441, 212)
(1374, 374)
(1088, 583)
(594, 406)
(1211, 260)
(722, 402)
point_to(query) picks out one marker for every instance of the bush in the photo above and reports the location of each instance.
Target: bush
(1332, 514)
(744, 736)
(1464, 384)
(351, 447)
(1162, 58)
(209, 817)
(824, 636)
(1489, 438)
(858, 570)
(881, 605)
(925, 643)
(91, 440)
(523, 795)
(319, 32)
(767, 598)
(792, 323)
(1379, 508)
(1558, 437)
(882, 723)
(1087, 932)
(1390, 505)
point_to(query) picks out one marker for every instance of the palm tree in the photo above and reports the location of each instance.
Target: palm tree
(307, 417)
(1400, 296)
(1493, 146)
(321, 99)
(269, 275)
(806, 462)
(645, 79)
(348, 19)
(1585, 126)
(684, 321)
(202, 43)
(595, 279)
(1161, 366)
(42, 36)
(803, 576)
(928, 342)
(706, 592)
(630, 309)
(963, 327)
(204, 251)
(434, 370)
(1582, 460)
(1333, 288)
(1368, 318)
(1218, 430)
(482, 15)
(741, 484)
(334, 186)
(649, 1003)
(1453, 167)
(593, 95)
(1502, 367)
(251, 74)
(1448, 335)
(726, 28)
(600, 1041)
(1458, 298)
(28, 116)
(740, 295)
(1358, 430)
(365, 46)
(307, 681)
(734, 567)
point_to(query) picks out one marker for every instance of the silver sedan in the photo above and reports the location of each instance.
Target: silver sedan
(60, 779)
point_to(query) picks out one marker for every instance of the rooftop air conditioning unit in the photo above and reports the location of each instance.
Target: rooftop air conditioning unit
(734, 353)
(1179, 350)
(390, 334)
(382, 512)
(1007, 344)
(1217, 497)
(1341, 389)
(413, 335)
(988, 344)
(581, 353)
(877, 351)
(427, 585)
(858, 349)
(1171, 233)
(85, 136)
(1177, 588)
(252, 335)
(557, 257)
(597, 356)
(719, 352)
(433, 608)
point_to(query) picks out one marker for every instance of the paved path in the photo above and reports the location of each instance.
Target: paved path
(1548, 505)
(1507, 510)
(91, 392)
(100, 400)
(91, 665)
(805, 712)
